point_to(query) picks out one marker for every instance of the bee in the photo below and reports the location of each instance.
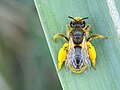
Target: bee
(78, 53)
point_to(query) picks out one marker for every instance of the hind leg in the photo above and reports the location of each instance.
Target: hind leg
(92, 54)
(62, 55)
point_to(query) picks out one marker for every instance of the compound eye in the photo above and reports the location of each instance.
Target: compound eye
(72, 24)
(83, 24)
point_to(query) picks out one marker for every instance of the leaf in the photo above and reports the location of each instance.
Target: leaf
(53, 16)
(114, 12)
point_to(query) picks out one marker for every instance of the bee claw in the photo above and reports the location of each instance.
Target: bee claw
(94, 68)
(58, 71)
(106, 37)
(54, 39)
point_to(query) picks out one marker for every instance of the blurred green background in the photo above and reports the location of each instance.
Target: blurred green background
(25, 60)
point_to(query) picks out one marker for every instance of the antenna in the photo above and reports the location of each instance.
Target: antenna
(71, 17)
(85, 18)
(75, 19)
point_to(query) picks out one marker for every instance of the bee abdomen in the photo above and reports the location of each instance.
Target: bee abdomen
(77, 59)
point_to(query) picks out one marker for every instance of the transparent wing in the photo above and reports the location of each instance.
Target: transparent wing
(85, 55)
(71, 53)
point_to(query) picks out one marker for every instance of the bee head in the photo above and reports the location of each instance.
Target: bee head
(77, 22)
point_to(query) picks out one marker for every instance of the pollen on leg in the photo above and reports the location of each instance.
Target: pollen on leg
(92, 54)
(59, 66)
(62, 55)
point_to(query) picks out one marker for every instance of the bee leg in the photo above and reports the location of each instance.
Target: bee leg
(60, 35)
(68, 27)
(87, 30)
(62, 55)
(92, 54)
(95, 36)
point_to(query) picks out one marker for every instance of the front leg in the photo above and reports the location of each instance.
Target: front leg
(62, 55)
(87, 29)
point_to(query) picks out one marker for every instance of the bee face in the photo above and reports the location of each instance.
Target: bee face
(80, 24)
(77, 22)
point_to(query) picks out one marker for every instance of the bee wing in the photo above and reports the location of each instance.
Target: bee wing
(70, 54)
(84, 45)
(84, 54)
(71, 44)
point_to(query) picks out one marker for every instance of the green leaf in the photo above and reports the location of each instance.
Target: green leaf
(53, 16)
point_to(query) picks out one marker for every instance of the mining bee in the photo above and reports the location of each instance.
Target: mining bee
(77, 53)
